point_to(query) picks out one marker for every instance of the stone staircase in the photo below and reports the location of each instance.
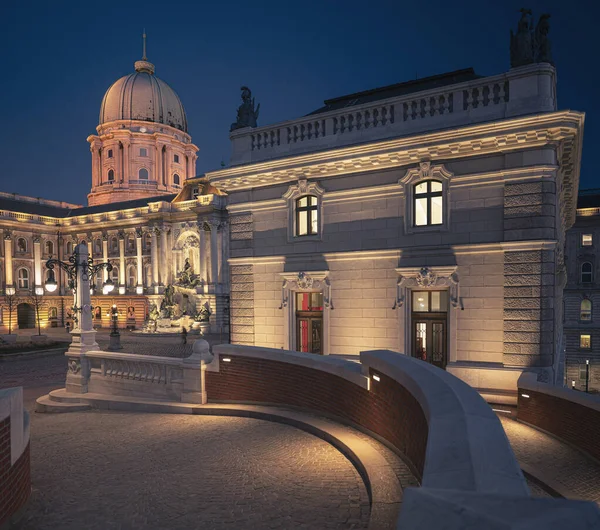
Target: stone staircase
(61, 401)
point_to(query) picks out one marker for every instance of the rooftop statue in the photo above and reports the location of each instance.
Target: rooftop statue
(247, 113)
(527, 46)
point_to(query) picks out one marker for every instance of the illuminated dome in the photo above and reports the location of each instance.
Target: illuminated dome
(143, 96)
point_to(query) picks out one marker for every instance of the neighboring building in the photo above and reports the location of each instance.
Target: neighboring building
(426, 217)
(582, 294)
(144, 216)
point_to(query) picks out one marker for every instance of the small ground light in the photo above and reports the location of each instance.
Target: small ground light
(226, 360)
(525, 395)
(377, 378)
(573, 384)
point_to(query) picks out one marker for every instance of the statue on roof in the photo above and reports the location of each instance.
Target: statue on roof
(521, 43)
(529, 46)
(543, 51)
(247, 113)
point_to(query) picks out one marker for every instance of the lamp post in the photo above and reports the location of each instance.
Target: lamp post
(79, 269)
(115, 336)
(587, 375)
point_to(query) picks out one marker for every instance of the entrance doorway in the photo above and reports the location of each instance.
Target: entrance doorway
(309, 322)
(25, 316)
(429, 327)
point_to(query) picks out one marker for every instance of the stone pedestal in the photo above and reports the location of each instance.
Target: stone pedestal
(115, 342)
(194, 382)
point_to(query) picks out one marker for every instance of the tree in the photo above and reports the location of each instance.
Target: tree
(11, 301)
(38, 303)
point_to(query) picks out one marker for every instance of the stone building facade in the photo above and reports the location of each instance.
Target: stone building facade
(582, 295)
(147, 214)
(427, 217)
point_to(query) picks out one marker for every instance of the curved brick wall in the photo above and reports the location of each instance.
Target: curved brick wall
(569, 414)
(245, 379)
(15, 475)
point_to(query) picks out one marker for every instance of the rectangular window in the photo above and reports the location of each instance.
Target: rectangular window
(420, 301)
(436, 211)
(582, 372)
(585, 341)
(110, 153)
(430, 301)
(307, 216)
(143, 151)
(421, 212)
(586, 240)
(176, 159)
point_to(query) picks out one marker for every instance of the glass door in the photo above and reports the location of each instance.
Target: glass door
(429, 327)
(309, 322)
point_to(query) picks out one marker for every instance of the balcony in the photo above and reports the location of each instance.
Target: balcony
(525, 90)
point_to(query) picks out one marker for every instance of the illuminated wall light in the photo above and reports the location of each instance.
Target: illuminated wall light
(376, 378)
(525, 395)
(226, 360)
(500, 410)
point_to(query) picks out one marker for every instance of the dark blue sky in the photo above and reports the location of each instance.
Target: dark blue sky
(58, 58)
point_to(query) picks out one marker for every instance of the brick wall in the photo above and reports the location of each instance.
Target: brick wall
(573, 422)
(388, 410)
(15, 480)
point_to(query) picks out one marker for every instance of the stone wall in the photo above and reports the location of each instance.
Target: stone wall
(242, 302)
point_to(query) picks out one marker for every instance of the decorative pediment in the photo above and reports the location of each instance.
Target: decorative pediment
(428, 278)
(426, 171)
(303, 187)
(306, 281)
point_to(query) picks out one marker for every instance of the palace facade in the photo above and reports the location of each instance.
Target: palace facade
(427, 217)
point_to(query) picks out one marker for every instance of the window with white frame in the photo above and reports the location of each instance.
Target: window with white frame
(426, 190)
(586, 272)
(428, 204)
(23, 279)
(305, 220)
(585, 310)
(307, 216)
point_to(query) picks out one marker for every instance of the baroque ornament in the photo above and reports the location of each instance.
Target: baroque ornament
(74, 366)
(426, 277)
(304, 281)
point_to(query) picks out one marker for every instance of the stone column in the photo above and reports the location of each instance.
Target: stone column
(214, 252)
(164, 256)
(126, 160)
(168, 165)
(37, 261)
(8, 263)
(159, 164)
(225, 252)
(95, 165)
(84, 336)
(122, 281)
(138, 248)
(202, 252)
(105, 256)
(154, 260)
(194, 158)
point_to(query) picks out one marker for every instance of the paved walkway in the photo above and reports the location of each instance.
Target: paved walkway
(554, 462)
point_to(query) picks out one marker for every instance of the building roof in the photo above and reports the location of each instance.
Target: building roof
(143, 96)
(399, 89)
(589, 198)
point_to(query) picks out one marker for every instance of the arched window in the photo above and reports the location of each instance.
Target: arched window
(143, 174)
(69, 247)
(98, 247)
(585, 310)
(586, 272)
(49, 247)
(21, 245)
(307, 215)
(114, 244)
(23, 278)
(111, 175)
(176, 179)
(428, 203)
(110, 153)
(52, 312)
(131, 276)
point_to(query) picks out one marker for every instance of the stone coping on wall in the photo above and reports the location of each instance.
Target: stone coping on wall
(467, 448)
(348, 370)
(192, 360)
(528, 381)
(11, 405)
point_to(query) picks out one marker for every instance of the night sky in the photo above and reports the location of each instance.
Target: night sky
(57, 59)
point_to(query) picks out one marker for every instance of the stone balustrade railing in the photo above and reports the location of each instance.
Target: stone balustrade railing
(524, 90)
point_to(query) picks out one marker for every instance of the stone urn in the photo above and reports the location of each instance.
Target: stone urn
(204, 327)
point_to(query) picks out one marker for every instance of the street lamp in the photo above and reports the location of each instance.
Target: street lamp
(115, 336)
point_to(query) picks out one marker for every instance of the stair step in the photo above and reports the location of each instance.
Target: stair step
(47, 404)
(60, 395)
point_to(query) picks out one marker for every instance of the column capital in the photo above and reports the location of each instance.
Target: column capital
(8, 235)
(37, 239)
(213, 224)
(139, 233)
(104, 236)
(121, 235)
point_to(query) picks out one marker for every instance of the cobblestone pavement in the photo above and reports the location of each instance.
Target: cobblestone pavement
(103, 470)
(556, 460)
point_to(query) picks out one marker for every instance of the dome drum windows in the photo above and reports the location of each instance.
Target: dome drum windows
(176, 179)
(109, 153)
(143, 151)
(176, 159)
(143, 174)
(111, 175)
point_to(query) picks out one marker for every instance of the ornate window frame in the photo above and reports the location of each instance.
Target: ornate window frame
(26, 280)
(425, 278)
(425, 171)
(310, 281)
(295, 192)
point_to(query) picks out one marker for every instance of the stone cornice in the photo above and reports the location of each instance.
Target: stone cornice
(503, 136)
